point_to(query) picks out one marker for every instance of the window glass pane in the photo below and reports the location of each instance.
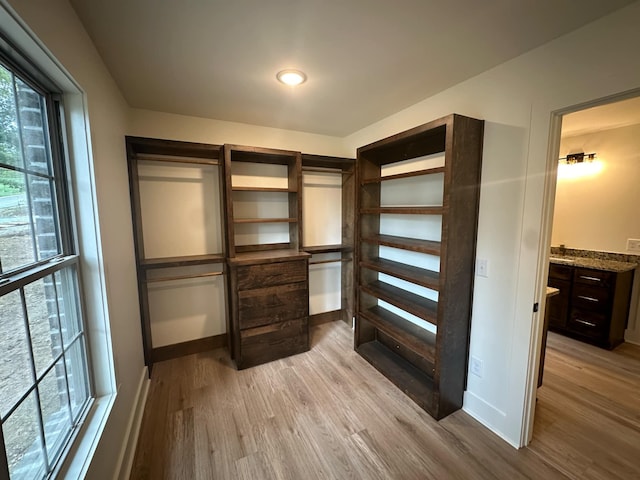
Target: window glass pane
(33, 128)
(44, 217)
(16, 234)
(68, 303)
(23, 442)
(42, 313)
(15, 362)
(54, 402)
(10, 152)
(77, 376)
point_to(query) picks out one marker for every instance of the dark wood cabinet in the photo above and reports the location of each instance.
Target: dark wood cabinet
(270, 306)
(593, 305)
(417, 208)
(269, 281)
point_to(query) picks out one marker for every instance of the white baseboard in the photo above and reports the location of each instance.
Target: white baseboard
(487, 415)
(128, 451)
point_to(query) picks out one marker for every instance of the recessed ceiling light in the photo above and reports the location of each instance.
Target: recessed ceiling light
(291, 77)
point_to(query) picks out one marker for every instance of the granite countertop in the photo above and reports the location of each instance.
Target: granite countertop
(595, 263)
(551, 291)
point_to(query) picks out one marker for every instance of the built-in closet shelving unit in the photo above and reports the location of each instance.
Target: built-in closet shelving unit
(173, 268)
(417, 208)
(338, 252)
(269, 281)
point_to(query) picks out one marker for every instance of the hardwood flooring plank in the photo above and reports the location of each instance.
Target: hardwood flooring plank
(328, 414)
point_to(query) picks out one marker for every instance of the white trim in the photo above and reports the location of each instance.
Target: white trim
(127, 453)
(486, 414)
(76, 463)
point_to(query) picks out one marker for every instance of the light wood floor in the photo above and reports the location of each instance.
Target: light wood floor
(327, 414)
(588, 410)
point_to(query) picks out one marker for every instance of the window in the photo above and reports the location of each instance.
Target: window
(45, 389)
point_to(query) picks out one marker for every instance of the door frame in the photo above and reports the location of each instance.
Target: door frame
(548, 205)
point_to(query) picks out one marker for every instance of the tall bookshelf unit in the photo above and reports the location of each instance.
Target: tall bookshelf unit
(417, 211)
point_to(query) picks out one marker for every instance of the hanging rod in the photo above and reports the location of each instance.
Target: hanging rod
(323, 169)
(184, 277)
(318, 262)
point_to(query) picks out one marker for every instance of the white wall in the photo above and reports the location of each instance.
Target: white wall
(516, 100)
(109, 267)
(600, 211)
(146, 123)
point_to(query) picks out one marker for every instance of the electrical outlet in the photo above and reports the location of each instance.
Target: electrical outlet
(633, 244)
(482, 267)
(476, 367)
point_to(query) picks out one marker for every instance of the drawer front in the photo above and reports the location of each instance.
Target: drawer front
(591, 297)
(587, 276)
(270, 342)
(561, 272)
(271, 274)
(272, 305)
(588, 323)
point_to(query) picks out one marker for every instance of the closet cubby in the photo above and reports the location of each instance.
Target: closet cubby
(176, 206)
(417, 210)
(330, 182)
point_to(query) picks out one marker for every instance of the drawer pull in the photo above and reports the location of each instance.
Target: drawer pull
(584, 322)
(590, 299)
(593, 279)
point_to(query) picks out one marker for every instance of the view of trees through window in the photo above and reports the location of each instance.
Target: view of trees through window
(44, 383)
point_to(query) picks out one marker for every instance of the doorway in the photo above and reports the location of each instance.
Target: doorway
(585, 407)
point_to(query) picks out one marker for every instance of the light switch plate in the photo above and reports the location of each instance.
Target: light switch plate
(482, 267)
(633, 244)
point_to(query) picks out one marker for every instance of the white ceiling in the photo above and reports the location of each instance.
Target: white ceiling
(603, 117)
(365, 59)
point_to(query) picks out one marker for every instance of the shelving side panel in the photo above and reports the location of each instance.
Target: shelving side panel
(462, 190)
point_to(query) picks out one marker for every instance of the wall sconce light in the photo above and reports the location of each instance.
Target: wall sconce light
(573, 158)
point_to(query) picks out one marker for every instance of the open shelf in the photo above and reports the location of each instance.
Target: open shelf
(405, 243)
(410, 302)
(419, 276)
(315, 249)
(415, 173)
(409, 379)
(265, 220)
(419, 340)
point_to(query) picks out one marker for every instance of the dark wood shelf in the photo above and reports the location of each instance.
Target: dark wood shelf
(263, 189)
(315, 249)
(405, 243)
(265, 220)
(413, 382)
(419, 276)
(410, 302)
(417, 210)
(189, 260)
(416, 173)
(417, 339)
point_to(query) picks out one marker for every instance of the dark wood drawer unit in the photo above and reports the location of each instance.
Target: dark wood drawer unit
(593, 305)
(272, 304)
(267, 275)
(269, 299)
